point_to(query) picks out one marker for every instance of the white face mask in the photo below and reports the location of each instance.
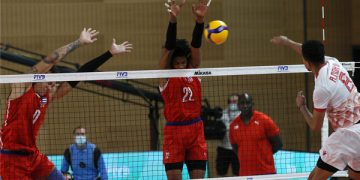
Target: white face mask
(233, 107)
(80, 140)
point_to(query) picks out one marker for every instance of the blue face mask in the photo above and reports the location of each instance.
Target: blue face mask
(233, 107)
(80, 140)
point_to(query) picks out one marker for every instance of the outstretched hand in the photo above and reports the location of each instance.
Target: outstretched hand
(173, 8)
(280, 40)
(88, 36)
(200, 9)
(125, 47)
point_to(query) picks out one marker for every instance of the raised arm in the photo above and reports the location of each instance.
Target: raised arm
(285, 41)
(87, 36)
(92, 65)
(174, 10)
(199, 10)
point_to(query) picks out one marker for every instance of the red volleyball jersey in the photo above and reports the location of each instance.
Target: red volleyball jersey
(23, 118)
(182, 98)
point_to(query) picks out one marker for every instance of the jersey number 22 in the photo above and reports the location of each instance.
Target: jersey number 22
(187, 94)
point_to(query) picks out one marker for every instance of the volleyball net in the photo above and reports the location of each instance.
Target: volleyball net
(122, 112)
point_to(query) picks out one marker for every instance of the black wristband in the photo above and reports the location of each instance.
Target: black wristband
(171, 36)
(197, 35)
(92, 65)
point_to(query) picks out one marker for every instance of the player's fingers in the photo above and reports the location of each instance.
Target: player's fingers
(167, 5)
(182, 3)
(84, 29)
(208, 3)
(93, 31)
(93, 40)
(193, 7)
(124, 43)
(89, 30)
(95, 34)
(129, 47)
(114, 41)
(300, 94)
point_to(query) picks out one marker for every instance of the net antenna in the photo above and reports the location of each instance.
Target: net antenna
(325, 128)
(323, 19)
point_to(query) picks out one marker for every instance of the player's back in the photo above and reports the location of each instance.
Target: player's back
(336, 92)
(182, 97)
(23, 118)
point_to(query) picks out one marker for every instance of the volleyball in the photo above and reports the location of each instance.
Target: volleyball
(216, 32)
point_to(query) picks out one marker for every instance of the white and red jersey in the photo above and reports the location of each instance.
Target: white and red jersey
(336, 94)
(182, 99)
(23, 118)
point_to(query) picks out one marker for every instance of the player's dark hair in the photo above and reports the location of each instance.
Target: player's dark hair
(313, 51)
(78, 127)
(182, 49)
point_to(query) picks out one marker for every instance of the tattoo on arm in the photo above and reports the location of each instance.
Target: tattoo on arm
(61, 52)
(73, 46)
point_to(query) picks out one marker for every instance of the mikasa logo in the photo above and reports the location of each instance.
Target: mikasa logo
(202, 73)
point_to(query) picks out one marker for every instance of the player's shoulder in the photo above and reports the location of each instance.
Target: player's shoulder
(261, 116)
(331, 59)
(20, 91)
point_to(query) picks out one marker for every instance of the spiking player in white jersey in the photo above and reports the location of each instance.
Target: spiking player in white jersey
(336, 94)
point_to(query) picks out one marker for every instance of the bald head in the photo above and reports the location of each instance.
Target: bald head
(245, 97)
(245, 104)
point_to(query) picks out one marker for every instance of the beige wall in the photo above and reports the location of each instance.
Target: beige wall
(355, 22)
(43, 25)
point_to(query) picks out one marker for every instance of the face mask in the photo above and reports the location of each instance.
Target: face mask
(80, 140)
(233, 107)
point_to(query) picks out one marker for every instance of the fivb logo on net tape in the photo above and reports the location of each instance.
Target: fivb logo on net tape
(39, 77)
(122, 74)
(283, 68)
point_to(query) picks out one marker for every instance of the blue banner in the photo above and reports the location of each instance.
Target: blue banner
(148, 165)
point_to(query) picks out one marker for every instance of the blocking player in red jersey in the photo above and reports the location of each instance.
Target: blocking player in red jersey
(255, 138)
(184, 139)
(26, 108)
(335, 94)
